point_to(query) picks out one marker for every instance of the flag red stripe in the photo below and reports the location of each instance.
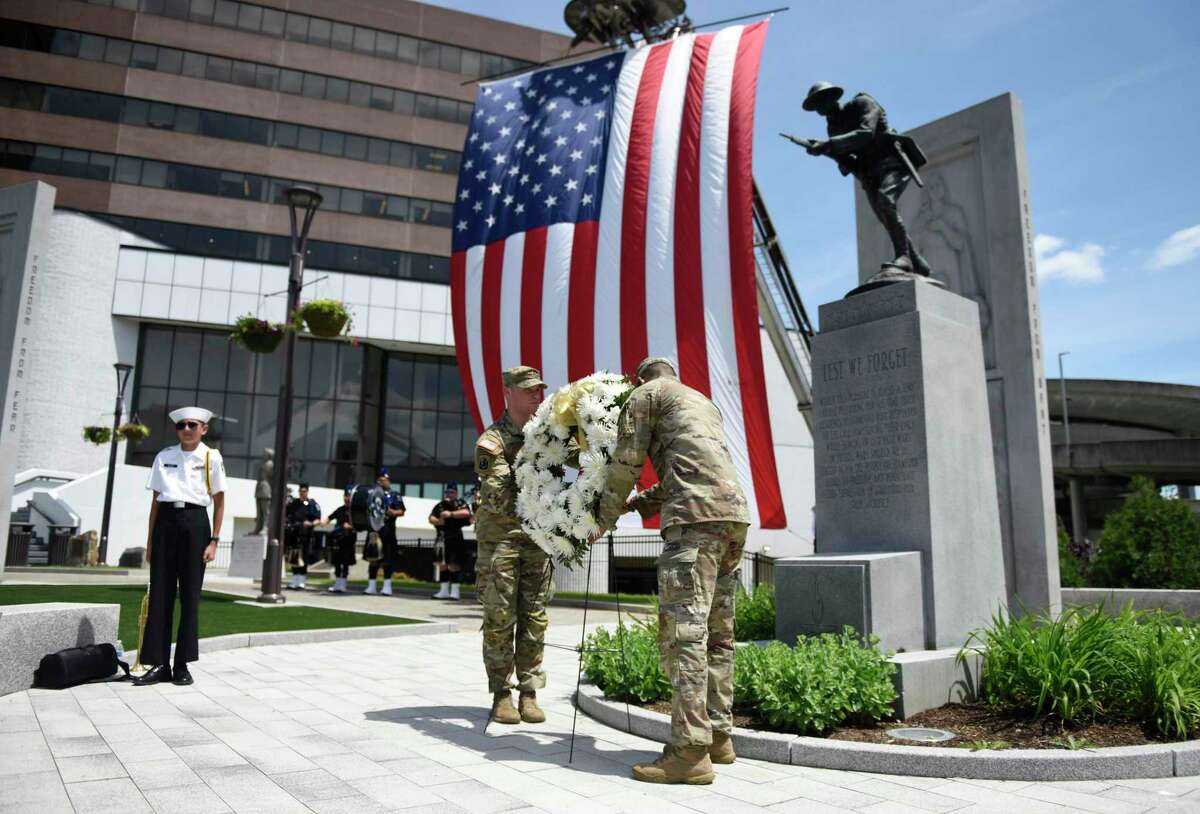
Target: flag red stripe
(634, 341)
(743, 283)
(690, 332)
(458, 310)
(489, 323)
(581, 301)
(533, 266)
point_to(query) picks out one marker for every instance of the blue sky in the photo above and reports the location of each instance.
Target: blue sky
(1111, 94)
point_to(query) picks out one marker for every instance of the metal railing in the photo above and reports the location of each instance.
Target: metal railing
(19, 537)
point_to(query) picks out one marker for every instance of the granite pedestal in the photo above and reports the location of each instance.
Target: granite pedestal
(28, 632)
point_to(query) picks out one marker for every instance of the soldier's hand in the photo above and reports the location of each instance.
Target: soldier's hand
(817, 148)
(210, 552)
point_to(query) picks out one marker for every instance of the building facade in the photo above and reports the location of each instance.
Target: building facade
(168, 130)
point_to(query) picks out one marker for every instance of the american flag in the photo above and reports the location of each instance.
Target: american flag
(603, 214)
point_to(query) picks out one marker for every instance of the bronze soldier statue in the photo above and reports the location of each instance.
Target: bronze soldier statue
(883, 161)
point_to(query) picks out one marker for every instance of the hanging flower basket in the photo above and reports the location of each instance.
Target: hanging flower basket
(326, 318)
(97, 435)
(257, 335)
(133, 432)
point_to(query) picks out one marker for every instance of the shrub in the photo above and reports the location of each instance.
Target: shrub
(97, 435)
(1138, 666)
(754, 614)
(324, 317)
(257, 335)
(1070, 567)
(633, 675)
(1150, 542)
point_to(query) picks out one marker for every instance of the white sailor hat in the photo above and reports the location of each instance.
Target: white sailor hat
(190, 413)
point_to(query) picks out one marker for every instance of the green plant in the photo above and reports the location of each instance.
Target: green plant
(1070, 567)
(133, 431)
(980, 745)
(624, 663)
(257, 335)
(1150, 542)
(325, 318)
(754, 614)
(823, 682)
(97, 435)
(1074, 744)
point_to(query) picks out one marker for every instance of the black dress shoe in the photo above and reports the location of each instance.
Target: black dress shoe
(183, 678)
(156, 675)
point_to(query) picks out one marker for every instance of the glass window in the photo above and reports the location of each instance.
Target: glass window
(156, 357)
(314, 86)
(310, 139)
(297, 27)
(187, 120)
(401, 154)
(350, 372)
(337, 90)
(381, 97)
(250, 17)
(144, 56)
(430, 54)
(441, 214)
(322, 370)
(374, 204)
(170, 60)
(425, 385)
(451, 59)
(118, 52)
(360, 94)
(397, 207)
(226, 13)
(470, 63)
(319, 31)
(290, 81)
(65, 43)
(272, 22)
(406, 50)
(193, 64)
(356, 147)
(212, 124)
(154, 174)
(162, 116)
(135, 112)
(185, 359)
(231, 185)
(286, 134)
(75, 162)
(352, 201)
(91, 47)
(385, 44)
(214, 361)
(404, 102)
(426, 106)
(364, 40)
(202, 11)
(343, 36)
(330, 197)
(258, 131)
(244, 73)
(332, 142)
(449, 438)
(266, 77)
(377, 151)
(424, 437)
(397, 434)
(218, 69)
(101, 166)
(447, 110)
(262, 432)
(129, 170)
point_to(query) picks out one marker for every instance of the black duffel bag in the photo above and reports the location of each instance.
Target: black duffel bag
(78, 665)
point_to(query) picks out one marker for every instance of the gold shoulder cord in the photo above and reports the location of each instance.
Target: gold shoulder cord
(208, 470)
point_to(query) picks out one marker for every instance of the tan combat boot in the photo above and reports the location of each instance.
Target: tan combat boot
(531, 713)
(503, 711)
(721, 750)
(678, 764)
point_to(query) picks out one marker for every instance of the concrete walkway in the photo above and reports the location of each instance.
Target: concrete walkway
(381, 725)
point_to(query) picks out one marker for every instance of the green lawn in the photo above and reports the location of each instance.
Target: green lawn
(359, 585)
(219, 614)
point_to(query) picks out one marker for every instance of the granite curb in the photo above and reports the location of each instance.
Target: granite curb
(1113, 763)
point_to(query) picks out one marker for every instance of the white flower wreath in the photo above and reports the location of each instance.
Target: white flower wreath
(560, 516)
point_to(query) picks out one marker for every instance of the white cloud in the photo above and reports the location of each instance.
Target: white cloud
(1080, 265)
(1181, 247)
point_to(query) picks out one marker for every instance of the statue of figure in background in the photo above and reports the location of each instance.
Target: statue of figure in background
(883, 161)
(262, 490)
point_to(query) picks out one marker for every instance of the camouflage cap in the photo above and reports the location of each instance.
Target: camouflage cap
(523, 377)
(653, 360)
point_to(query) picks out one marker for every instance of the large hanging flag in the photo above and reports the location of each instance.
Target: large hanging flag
(603, 215)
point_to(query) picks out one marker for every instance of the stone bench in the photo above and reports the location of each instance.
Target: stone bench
(28, 632)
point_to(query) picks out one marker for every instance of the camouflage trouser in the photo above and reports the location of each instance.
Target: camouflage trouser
(697, 581)
(515, 582)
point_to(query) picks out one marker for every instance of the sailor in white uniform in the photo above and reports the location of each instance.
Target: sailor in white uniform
(186, 479)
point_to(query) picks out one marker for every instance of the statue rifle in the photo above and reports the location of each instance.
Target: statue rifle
(908, 163)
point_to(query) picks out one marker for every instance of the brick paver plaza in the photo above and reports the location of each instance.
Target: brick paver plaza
(400, 724)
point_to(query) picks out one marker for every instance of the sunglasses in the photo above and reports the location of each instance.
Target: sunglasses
(187, 425)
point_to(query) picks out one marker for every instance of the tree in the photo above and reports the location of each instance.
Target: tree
(1150, 542)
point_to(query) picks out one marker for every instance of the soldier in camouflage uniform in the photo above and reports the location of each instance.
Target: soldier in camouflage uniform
(513, 575)
(704, 522)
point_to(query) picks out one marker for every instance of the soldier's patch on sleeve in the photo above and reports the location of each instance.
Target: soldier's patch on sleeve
(483, 462)
(489, 445)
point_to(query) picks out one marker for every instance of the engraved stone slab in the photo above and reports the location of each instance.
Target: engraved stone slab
(876, 594)
(28, 632)
(972, 223)
(246, 559)
(902, 448)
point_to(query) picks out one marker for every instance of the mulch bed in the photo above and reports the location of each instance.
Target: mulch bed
(976, 726)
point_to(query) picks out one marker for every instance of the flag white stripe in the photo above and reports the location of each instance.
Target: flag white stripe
(556, 285)
(510, 301)
(714, 252)
(660, 213)
(474, 299)
(608, 244)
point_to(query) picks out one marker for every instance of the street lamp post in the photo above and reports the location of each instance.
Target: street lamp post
(302, 206)
(1074, 484)
(123, 372)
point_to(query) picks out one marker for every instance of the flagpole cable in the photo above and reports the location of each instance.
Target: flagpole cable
(607, 49)
(587, 592)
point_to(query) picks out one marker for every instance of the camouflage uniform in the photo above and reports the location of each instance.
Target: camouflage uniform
(704, 521)
(514, 576)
